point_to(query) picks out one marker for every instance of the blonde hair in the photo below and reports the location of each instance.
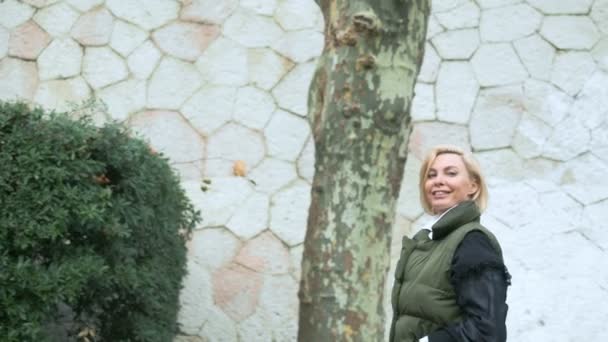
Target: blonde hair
(480, 197)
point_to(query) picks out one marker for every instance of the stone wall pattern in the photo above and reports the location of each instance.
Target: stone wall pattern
(209, 83)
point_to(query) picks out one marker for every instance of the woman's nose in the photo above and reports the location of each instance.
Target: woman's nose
(438, 179)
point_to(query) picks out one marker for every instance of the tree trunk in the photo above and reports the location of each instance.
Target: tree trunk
(359, 102)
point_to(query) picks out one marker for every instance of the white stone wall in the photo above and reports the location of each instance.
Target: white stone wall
(220, 87)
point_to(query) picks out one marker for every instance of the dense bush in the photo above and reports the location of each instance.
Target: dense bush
(91, 220)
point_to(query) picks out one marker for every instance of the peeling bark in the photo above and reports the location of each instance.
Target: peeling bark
(359, 102)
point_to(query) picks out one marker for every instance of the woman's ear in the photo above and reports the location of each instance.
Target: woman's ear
(474, 188)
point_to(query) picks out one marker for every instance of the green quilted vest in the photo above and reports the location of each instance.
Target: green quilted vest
(423, 299)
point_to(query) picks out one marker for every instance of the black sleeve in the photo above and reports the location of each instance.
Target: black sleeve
(480, 280)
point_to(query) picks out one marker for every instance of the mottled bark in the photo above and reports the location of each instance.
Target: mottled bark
(359, 103)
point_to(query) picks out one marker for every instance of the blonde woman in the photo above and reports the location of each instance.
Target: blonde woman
(451, 281)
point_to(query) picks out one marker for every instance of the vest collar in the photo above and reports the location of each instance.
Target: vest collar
(455, 217)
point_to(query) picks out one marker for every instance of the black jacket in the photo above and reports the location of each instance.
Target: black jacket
(480, 280)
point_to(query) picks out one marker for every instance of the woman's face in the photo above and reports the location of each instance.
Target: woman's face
(448, 183)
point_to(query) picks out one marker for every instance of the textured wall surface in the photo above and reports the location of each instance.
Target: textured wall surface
(524, 83)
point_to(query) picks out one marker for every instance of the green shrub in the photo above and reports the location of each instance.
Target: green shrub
(90, 219)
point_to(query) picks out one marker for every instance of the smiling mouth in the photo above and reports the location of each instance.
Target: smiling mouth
(439, 193)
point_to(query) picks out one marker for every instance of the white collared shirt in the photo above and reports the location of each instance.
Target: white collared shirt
(434, 219)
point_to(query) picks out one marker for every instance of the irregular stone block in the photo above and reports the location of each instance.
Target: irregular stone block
(251, 217)
(408, 203)
(562, 7)
(497, 25)
(433, 27)
(516, 203)
(537, 56)
(531, 135)
(579, 179)
(39, 3)
(61, 59)
(280, 307)
(27, 41)
(148, 15)
(496, 3)
(124, 98)
(172, 83)
(501, 166)
(306, 161)
(195, 297)
(255, 327)
(423, 104)
(169, 134)
(230, 143)
(300, 46)
(266, 67)
(185, 40)
(272, 175)
(570, 32)
(298, 15)
(569, 139)
(285, 135)
(126, 37)
(56, 20)
(4, 42)
(213, 248)
(84, 5)
(264, 254)
(144, 60)
(561, 212)
(599, 14)
(219, 199)
(289, 211)
(236, 290)
(295, 261)
(596, 216)
(599, 141)
(447, 5)
(14, 13)
(456, 90)
(600, 54)
(427, 135)
(208, 11)
(459, 44)
(101, 67)
(571, 70)
(242, 27)
(93, 28)
(546, 102)
(18, 79)
(464, 16)
(292, 92)
(61, 94)
(224, 63)
(221, 328)
(497, 64)
(591, 104)
(430, 65)
(253, 107)
(264, 7)
(495, 117)
(210, 108)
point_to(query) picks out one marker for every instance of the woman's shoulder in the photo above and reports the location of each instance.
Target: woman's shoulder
(475, 254)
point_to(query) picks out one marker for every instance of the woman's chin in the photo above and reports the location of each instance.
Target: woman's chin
(441, 206)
